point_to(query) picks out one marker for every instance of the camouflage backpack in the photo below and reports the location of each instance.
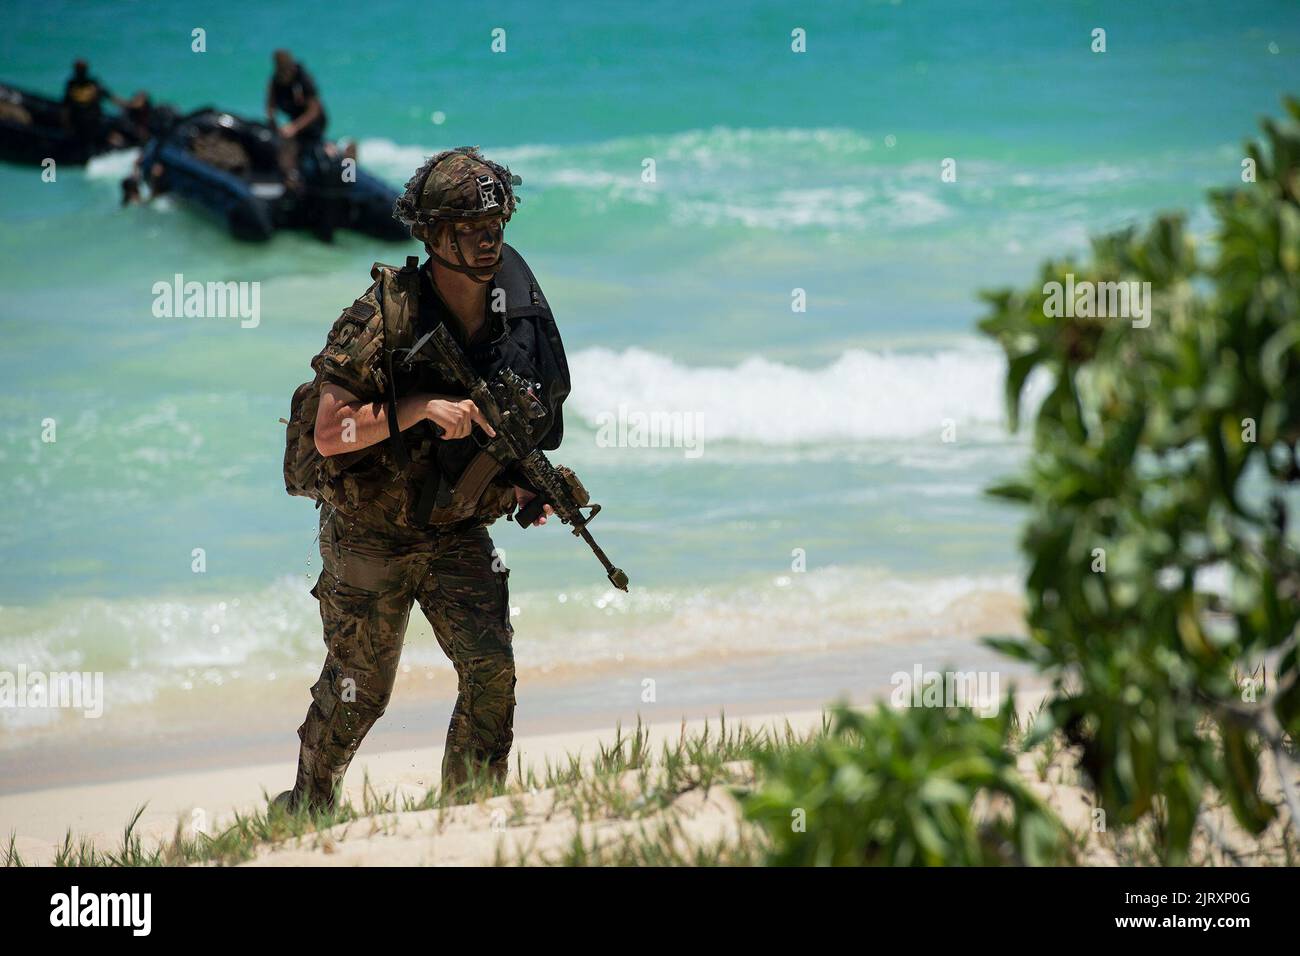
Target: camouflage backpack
(341, 480)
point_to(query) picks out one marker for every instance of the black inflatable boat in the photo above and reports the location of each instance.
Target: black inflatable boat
(32, 129)
(229, 166)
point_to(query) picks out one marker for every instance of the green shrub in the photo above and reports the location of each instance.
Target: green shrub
(1167, 456)
(901, 788)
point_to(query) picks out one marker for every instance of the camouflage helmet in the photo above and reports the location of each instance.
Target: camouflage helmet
(457, 185)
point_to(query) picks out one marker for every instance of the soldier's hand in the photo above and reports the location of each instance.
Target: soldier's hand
(523, 496)
(457, 417)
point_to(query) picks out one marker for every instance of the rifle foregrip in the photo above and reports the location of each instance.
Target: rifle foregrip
(530, 512)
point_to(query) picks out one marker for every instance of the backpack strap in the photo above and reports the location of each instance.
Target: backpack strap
(408, 281)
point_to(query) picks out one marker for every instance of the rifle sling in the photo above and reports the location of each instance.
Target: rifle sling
(410, 283)
(460, 501)
(394, 433)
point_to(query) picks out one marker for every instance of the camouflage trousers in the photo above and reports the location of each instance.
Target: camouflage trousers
(373, 571)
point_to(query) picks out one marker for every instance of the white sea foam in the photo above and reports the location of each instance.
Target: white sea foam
(861, 396)
(393, 161)
(718, 175)
(845, 182)
(147, 647)
(112, 166)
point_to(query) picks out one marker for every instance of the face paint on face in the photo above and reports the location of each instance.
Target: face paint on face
(479, 240)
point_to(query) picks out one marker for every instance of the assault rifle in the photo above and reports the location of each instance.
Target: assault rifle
(510, 404)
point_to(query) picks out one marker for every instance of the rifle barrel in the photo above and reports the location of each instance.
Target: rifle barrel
(617, 576)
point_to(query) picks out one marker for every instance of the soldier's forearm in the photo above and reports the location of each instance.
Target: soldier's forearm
(352, 426)
(310, 114)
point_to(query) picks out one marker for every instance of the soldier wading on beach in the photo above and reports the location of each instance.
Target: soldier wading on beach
(404, 511)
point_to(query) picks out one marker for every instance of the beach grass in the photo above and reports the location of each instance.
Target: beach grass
(625, 780)
(630, 804)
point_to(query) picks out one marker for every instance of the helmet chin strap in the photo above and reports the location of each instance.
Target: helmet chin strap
(479, 274)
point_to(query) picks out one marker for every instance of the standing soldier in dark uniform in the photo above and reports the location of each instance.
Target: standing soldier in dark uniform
(83, 96)
(293, 92)
(405, 506)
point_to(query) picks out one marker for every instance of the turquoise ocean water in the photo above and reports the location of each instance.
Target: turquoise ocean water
(819, 431)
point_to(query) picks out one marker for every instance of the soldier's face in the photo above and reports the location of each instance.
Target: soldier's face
(479, 240)
(283, 66)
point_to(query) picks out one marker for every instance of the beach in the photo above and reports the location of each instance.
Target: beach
(217, 743)
(100, 811)
(216, 725)
(780, 398)
(530, 824)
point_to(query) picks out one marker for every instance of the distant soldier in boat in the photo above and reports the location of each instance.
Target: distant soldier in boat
(292, 91)
(83, 114)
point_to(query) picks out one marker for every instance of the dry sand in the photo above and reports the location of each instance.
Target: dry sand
(100, 811)
(530, 827)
